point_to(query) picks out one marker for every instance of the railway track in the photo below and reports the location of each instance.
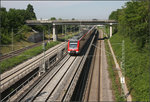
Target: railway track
(77, 86)
(57, 84)
(92, 92)
(19, 71)
(31, 80)
(17, 52)
(37, 88)
(98, 85)
(54, 81)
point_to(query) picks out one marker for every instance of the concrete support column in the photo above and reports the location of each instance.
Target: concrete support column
(54, 32)
(110, 30)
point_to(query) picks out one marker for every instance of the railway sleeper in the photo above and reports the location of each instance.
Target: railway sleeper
(14, 89)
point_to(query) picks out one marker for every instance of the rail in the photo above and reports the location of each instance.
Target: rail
(28, 80)
(22, 70)
(75, 79)
(14, 91)
(94, 76)
(16, 52)
(70, 62)
(40, 79)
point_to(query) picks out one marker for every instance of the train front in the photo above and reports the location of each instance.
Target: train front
(73, 47)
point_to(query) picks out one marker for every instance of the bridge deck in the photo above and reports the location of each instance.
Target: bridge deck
(77, 22)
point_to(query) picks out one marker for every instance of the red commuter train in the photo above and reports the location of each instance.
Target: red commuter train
(76, 43)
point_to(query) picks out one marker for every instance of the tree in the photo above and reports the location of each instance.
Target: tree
(73, 18)
(30, 12)
(133, 21)
(14, 18)
(53, 18)
(59, 19)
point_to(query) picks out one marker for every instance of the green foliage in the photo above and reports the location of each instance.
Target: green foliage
(30, 12)
(20, 35)
(133, 22)
(73, 18)
(5, 39)
(11, 62)
(14, 19)
(53, 18)
(51, 44)
(136, 67)
(133, 28)
(115, 15)
(59, 19)
(113, 75)
(25, 28)
(4, 19)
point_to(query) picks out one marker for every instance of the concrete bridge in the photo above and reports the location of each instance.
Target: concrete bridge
(71, 22)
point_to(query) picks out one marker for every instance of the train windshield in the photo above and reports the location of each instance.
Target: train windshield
(73, 45)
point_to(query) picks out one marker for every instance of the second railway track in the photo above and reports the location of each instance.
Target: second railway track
(25, 68)
(16, 52)
(59, 83)
(93, 87)
(38, 88)
(55, 85)
(56, 82)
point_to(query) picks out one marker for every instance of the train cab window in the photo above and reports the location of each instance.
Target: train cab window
(73, 45)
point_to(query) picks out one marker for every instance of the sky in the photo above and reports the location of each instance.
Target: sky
(68, 9)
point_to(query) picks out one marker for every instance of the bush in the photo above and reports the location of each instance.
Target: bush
(5, 39)
(26, 28)
(136, 67)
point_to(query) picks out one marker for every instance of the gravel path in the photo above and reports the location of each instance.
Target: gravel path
(106, 90)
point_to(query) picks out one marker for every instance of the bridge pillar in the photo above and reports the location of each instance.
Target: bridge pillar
(110, 30)
(54, 32)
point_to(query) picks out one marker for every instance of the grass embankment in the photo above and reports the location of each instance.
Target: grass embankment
(113, 74)
(17, 45)
(11, 62)
(136, 67)
(23, 43)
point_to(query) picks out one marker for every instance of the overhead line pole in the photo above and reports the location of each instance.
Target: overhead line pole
(49, 34)
(123, 65)
(62, 29)
(12, 41)
(65, 37)
(65, 33)
(44, 52)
